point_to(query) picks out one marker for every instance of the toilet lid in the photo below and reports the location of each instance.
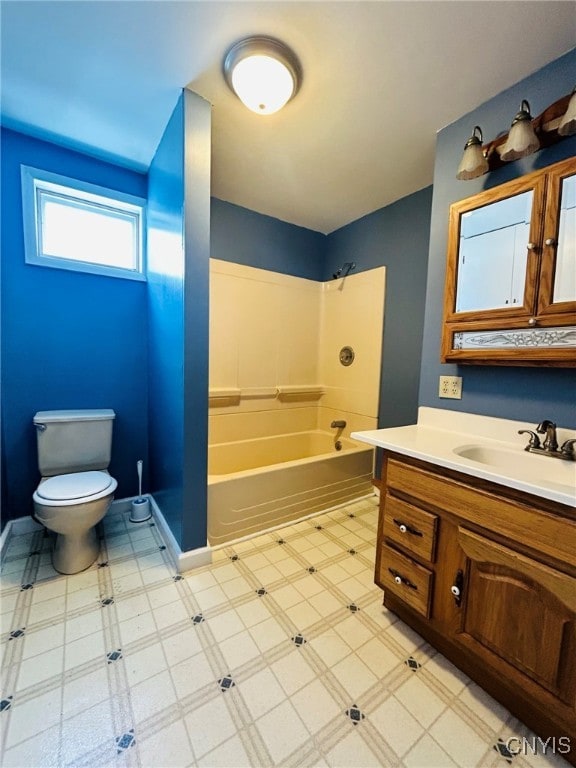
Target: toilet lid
(74, 486)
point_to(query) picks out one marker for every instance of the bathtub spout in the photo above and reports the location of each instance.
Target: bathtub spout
(338, 425)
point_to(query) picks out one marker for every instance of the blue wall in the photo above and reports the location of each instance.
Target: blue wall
(178, 270)
(69, 339)
(166, 321)
(527, 394)
(197, 164)
(255, 240)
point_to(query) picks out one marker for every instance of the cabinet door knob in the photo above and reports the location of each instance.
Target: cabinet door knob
(457, 587)
(405, 528)
(532, 247)
(399, 579)
(551, 241)
(532, 321)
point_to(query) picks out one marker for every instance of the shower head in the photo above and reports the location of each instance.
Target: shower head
(346, 268)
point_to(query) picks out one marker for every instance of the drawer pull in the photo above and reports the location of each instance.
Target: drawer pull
(457, 588)
(404, 528)
(399, 579)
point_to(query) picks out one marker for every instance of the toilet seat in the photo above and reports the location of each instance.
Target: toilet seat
(74, 488)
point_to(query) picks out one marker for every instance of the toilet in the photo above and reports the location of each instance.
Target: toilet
(75, 491)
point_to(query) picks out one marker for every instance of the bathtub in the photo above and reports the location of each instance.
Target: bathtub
(257, 484)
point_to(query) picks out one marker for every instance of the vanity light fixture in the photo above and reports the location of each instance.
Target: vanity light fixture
(527, 134)
(474, 162)
(522, 140)
(567, 125)
(263, 72)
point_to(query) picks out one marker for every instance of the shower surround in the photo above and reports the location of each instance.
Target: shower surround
(276, 386)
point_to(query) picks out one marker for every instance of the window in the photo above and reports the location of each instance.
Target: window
(70, 224)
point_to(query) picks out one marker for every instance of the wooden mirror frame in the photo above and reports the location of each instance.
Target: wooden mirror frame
(520, 326)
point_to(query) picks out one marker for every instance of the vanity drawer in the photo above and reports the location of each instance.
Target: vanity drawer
(410, 527)
(552, 535)
(406, 579)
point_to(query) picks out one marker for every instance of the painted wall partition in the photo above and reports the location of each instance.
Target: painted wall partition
(527, 394)
(178, 254)
(69, 339)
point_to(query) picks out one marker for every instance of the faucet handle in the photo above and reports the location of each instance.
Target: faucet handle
(567, 449)
(534, 441)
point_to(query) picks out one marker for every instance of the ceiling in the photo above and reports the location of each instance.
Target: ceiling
(380, 79)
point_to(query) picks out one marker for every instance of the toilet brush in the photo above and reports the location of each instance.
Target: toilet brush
(140, 506)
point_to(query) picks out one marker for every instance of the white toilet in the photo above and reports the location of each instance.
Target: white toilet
(75, 491)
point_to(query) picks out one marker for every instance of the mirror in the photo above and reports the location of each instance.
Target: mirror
(565, 277)
(492, 254)
(510, 284)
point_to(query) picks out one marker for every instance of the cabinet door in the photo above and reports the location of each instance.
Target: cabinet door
(493, 261)
(558, 266)
(520, 615)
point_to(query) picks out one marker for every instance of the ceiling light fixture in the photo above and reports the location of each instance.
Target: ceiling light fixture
(263, 72)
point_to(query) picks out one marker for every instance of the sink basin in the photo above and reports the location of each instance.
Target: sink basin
(521, 464)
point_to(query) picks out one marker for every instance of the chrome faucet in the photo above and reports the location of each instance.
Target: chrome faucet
(550, 445)
(338, 425)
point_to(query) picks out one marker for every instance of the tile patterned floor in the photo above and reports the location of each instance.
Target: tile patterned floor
(278, 654)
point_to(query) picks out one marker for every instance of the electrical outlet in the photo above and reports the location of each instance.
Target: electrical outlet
(451, 387)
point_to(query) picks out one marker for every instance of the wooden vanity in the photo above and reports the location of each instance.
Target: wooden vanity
(487, 575)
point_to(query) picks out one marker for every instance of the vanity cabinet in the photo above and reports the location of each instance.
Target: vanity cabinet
(510, 290)
(487, 575)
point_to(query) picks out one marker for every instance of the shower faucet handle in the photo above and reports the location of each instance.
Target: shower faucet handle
(341, 424)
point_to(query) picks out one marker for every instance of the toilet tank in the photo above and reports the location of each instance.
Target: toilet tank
(73, 441)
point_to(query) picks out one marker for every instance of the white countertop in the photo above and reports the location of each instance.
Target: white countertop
(440, 436)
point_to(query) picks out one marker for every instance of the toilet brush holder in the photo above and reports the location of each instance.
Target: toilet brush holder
(140, 510)
(140, 506)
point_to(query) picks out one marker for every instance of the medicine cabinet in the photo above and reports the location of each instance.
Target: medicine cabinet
(510, 292)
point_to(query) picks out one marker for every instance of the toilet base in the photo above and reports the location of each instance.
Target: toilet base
(75, 552)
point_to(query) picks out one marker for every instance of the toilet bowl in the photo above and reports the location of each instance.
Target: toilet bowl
(72, 505)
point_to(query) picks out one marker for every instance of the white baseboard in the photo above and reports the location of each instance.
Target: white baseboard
(185, 561)
(17, 527)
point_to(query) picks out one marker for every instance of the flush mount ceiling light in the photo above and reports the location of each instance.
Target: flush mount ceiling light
(263, 72)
